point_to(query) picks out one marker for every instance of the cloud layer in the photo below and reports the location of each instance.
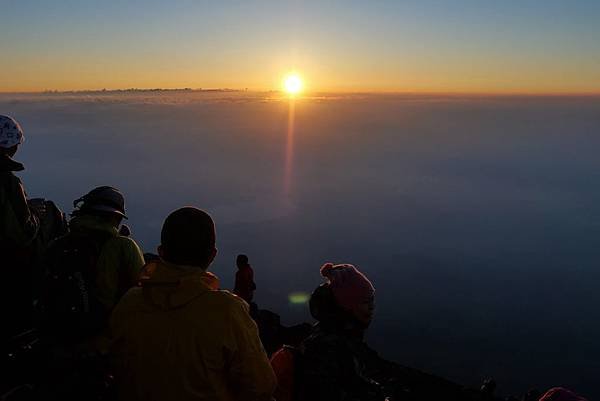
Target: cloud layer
(477, 218)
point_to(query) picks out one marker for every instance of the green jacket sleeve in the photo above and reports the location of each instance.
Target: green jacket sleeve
(119, 267)
(133, 267)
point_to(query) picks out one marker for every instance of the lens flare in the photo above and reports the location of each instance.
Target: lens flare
(298, 298)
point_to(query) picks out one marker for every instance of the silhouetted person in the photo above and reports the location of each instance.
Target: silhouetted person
(90, 268)
(244, 279)
(334, 362)
(18, 229)
(178, 337)
(334, 357)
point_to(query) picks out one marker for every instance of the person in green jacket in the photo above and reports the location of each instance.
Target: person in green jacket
(88, 270)
(117, 258)
(19, 226)
(121, 260)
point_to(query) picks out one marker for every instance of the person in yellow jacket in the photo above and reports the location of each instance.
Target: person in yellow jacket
(177, 336)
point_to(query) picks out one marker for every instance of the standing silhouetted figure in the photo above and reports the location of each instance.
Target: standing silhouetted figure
(244, 279)
(178, 337)
(19, 226)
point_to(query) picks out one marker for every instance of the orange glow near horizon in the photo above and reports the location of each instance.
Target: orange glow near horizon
(329, 77)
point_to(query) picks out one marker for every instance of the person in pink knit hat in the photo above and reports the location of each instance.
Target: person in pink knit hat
(335, 357)
(335, 364)
(351, 290)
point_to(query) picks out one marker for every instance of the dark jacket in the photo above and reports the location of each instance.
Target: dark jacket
(335, 364)
(18, 225)
(18, 229)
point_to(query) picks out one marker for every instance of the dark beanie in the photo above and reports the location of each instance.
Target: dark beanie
(188, 237)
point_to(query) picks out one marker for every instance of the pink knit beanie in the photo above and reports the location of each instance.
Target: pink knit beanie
(349, 286)
(561, 394)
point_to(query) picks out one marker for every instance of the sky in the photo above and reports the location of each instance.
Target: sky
(380, 46)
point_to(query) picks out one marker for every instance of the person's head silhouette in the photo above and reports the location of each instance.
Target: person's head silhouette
(348, 293)
(188, 238)
(241, 260)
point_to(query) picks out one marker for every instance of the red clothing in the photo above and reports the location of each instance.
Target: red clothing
(244, 283)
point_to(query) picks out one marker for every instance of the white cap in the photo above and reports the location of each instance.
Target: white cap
(11, 133)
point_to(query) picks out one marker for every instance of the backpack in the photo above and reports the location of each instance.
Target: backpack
(283, 363)
(69, 308)
(53, 222)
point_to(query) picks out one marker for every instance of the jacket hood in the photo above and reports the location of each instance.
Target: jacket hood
(8, 164)
(168, 286)
(89, 222)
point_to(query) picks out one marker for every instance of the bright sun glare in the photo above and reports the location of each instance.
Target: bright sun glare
(292, 84)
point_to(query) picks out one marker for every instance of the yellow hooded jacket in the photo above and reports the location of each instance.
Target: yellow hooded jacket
(177, 337)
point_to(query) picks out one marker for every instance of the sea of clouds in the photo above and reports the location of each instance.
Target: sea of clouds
(476, 217)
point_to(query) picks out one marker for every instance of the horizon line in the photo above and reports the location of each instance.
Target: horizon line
(592, 93)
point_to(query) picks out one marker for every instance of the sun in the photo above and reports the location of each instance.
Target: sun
(292, 83)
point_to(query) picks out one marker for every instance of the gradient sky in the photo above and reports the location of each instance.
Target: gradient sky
(461, 45)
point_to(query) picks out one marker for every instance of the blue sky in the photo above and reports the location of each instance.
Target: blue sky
(386, 45)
